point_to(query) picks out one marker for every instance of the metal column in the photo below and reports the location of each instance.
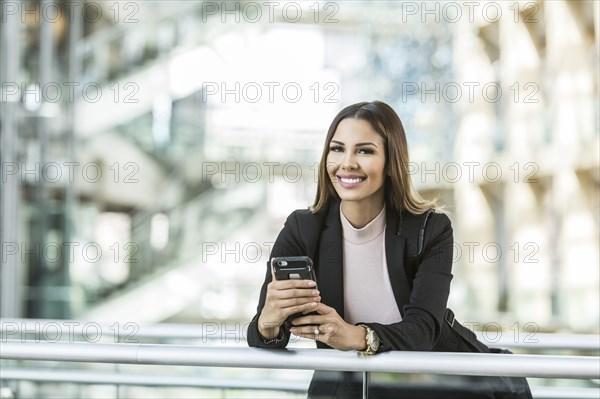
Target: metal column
(75, 33)
(10, 281)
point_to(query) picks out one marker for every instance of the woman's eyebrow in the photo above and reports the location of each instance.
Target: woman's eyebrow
(357, 144)
(366, 143)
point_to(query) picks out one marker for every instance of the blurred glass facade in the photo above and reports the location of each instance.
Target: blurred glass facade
(152, 150)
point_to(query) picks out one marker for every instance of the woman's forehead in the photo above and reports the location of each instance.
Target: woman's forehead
(352, 130)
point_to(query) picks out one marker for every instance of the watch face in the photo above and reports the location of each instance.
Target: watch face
(374, 341)
(375, 345)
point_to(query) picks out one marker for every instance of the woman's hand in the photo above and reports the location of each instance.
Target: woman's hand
(329, 328)
(285, 298)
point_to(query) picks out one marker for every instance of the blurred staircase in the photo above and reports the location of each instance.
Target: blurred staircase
(150, 69)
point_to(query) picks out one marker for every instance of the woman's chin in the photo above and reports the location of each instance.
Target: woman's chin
(356, 196)
(350, 196)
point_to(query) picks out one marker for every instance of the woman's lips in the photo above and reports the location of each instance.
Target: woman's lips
(349, 182)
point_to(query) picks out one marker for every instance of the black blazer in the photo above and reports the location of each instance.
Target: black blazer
(420, 290)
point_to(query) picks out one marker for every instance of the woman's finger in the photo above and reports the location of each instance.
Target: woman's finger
(310, 319)
(287, 303)
(299, 308)
(290, 284)
(305, 330)
(294, 293)
(324, 309)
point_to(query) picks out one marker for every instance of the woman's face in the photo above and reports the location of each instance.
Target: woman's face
(356, 162)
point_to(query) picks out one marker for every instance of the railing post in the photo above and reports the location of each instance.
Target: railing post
(365, 385)
(117, 386)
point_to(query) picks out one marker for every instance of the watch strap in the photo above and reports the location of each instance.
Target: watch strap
(369, 332)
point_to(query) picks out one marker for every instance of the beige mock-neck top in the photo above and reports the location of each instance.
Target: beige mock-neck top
(368, 295)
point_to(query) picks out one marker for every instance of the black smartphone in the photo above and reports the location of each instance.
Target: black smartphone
(293, 268)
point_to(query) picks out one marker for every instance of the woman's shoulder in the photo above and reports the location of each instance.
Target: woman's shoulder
(426, 229)
(305, 219)
(438, 233)
(301, 232)
(435, 217)
(438, 217)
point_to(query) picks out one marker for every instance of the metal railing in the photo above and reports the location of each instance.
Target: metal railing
(43, 329)
(471, 364)
(41, 375)
(152, 380)
(476, 364)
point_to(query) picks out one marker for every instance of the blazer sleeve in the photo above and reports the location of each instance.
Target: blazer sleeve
(286, 244)
(421, 325)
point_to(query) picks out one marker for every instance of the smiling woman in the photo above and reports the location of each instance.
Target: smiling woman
(374, 133)
(379, 289)
(356, 166)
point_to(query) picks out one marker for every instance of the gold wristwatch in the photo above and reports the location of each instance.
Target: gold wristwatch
(372, 341)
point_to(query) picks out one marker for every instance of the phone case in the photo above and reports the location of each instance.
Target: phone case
(293, 268)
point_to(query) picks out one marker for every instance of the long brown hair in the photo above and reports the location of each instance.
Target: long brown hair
(399, 192)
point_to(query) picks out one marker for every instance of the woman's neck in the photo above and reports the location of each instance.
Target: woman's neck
(359, 214)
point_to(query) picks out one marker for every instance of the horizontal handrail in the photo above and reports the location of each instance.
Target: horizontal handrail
(149, 379)
(564, 392)
(478, 364)
(14, 328)
(543, 341)
(162, 380)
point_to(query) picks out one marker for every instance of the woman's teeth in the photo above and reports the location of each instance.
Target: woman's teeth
(351, 181)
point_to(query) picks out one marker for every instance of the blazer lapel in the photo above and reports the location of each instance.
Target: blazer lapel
(394, 254)
(330, 272)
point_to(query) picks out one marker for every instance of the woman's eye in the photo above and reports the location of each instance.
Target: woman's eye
(337, 148)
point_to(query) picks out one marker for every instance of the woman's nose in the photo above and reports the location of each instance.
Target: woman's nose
(349, 161)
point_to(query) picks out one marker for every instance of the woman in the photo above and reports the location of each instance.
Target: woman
(373, 295)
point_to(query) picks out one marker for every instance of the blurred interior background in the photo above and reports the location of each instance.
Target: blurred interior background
(152, 150)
